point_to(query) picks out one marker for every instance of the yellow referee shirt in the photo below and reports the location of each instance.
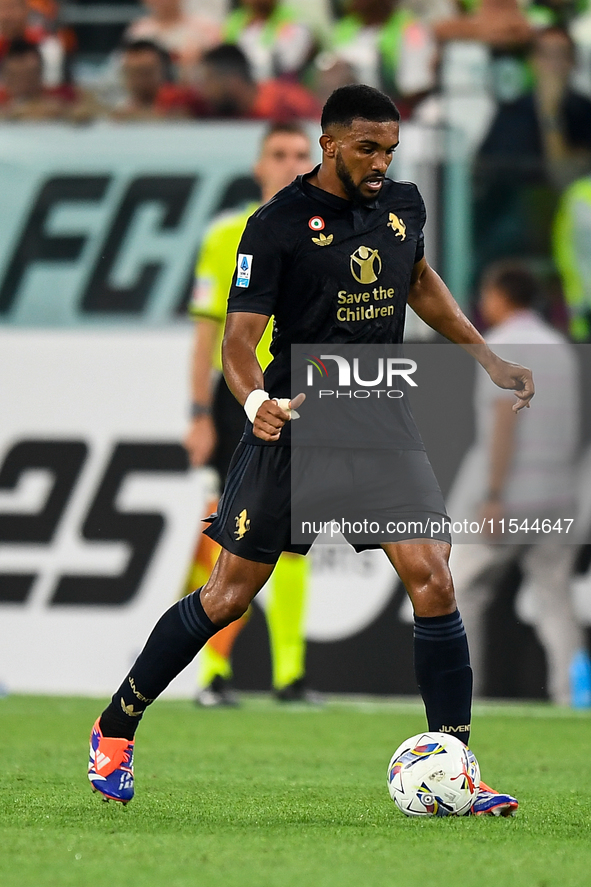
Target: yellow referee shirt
(213, 276)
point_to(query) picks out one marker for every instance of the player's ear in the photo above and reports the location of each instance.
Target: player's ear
(328, 144)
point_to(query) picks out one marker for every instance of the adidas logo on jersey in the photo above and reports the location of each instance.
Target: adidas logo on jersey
(322, 240)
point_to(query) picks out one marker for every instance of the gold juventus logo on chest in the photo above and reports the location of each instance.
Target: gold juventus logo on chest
(366, 264)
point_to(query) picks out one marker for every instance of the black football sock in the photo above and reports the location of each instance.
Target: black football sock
(444, 676)
(175, 640)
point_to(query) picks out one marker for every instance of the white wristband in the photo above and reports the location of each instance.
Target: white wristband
(253, 402)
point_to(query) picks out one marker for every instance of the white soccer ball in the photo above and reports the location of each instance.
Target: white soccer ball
(433, 774)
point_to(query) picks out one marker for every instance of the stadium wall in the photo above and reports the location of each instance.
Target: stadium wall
(102, 224)
(99, 511)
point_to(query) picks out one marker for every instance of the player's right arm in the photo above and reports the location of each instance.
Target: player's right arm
(243, 372)
(252, 300)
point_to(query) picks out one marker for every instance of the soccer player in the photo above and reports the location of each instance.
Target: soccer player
(286, 270)
(217, 425)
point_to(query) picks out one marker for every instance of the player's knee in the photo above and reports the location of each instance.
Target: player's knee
(433, 592)
(235, 604)
(226, 605)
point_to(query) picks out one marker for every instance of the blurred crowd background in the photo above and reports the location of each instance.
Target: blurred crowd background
(512, 77)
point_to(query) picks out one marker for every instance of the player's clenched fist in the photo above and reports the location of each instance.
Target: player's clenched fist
(269, 416)
(269, 420)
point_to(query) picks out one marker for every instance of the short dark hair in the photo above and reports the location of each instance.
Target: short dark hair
(20, 47)
(357, 101)
(517, 282)
(228, 59)
(276, 126)
(147, 46)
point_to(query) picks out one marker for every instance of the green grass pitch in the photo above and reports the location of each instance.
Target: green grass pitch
(274, 796)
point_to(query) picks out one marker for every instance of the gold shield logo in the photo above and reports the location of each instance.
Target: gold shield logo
(242, 524)
(366, 264)
(397, 226)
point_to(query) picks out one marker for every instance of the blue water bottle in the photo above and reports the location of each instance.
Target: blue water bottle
(580, 680)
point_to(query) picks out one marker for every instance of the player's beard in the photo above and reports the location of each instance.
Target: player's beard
(352, 190)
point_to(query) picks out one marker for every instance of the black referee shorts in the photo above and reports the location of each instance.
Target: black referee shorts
(229, 421)
(395, 491)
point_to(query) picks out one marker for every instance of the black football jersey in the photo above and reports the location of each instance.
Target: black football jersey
(328, 270)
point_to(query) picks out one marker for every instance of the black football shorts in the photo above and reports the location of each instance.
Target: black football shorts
(276, 498)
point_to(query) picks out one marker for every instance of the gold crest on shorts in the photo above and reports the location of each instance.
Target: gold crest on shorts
(242, 524)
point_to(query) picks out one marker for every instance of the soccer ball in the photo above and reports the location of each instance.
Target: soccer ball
(433, 774)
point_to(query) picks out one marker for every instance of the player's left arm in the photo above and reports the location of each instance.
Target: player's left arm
(431, 299)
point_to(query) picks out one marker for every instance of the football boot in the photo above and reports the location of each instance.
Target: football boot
(110, 766)
(492, 803)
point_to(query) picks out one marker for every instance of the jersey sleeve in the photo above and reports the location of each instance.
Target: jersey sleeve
(420, 251)
(212, 280)
(259, 264)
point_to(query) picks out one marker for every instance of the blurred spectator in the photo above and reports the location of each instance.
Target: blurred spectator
(503, 28)
(535, 146)
(272, 36)
(384, 45)
(564, 115)
(543, 13)
(215, 9)
(552, 123)
(506, 27)
(47, 15)
(15, 24)
(149, 94)
(185, 37)
(330, 74)
(572, 255)
(23, 95)
(318, 15)
(579, 28)
(575, 17)
(496, 22)
(228, 87)
(521, 467)
(430, 11)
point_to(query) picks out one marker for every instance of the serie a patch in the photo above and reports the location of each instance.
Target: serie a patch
(243, 269)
